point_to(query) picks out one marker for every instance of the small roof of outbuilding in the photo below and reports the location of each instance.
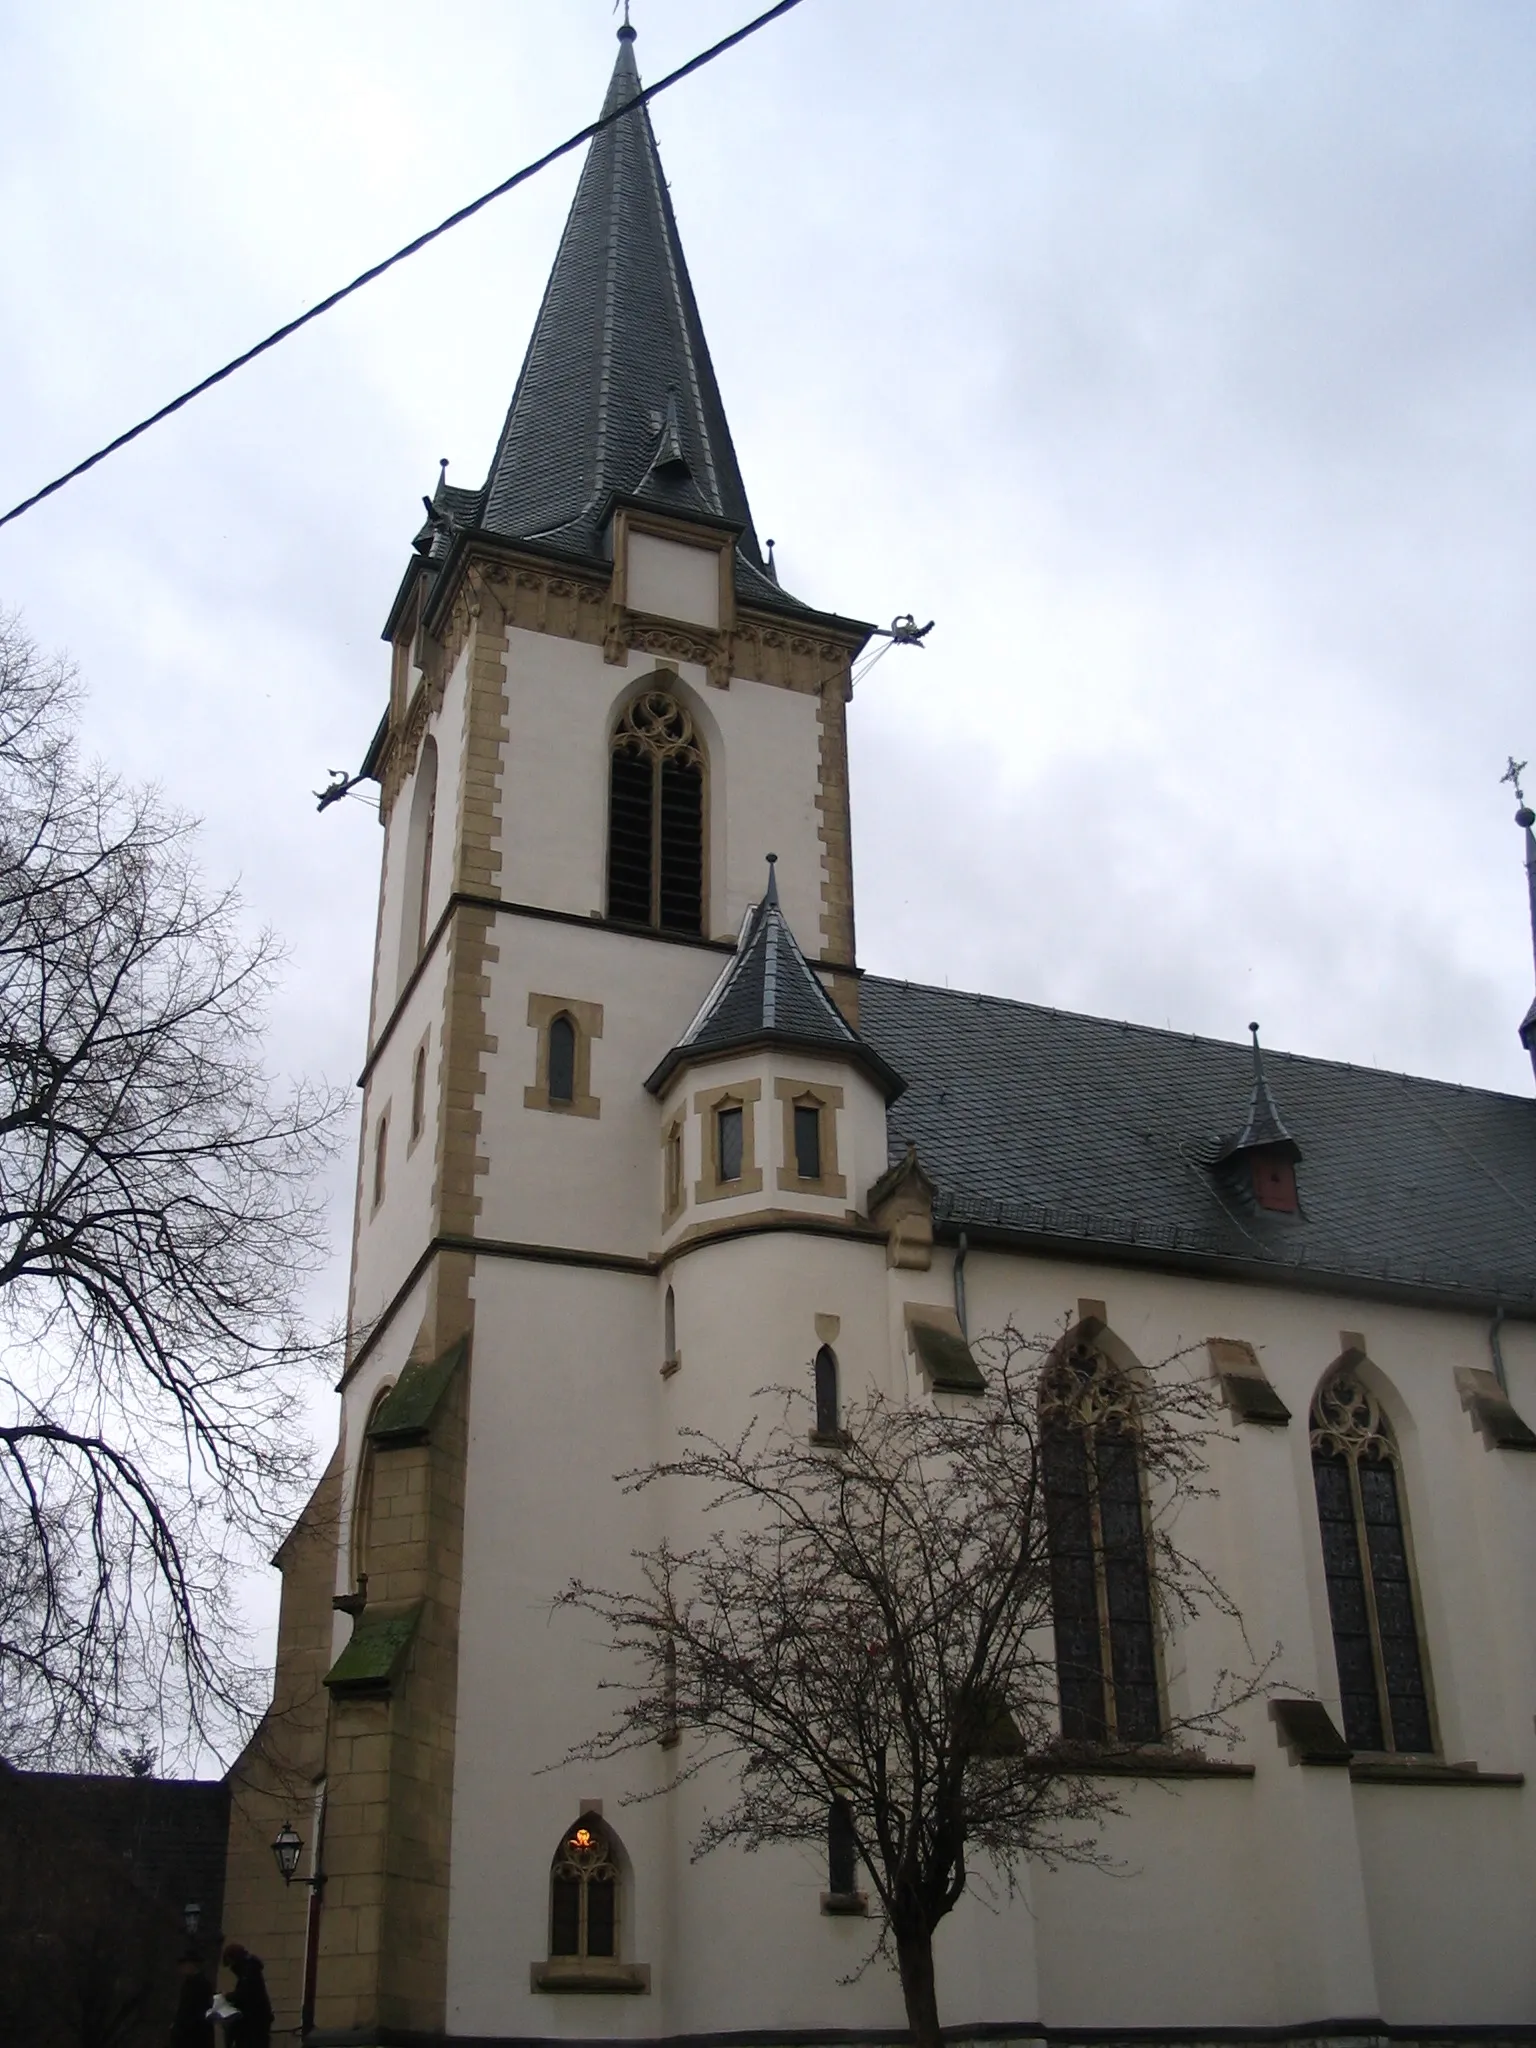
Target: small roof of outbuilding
(769, 994)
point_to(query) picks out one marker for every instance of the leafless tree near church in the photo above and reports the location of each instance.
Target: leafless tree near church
(159, 1217)
(883, 1637)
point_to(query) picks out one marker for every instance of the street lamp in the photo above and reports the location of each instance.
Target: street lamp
(287, 1848)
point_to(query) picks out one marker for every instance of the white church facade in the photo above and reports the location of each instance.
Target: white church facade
(640, 1138)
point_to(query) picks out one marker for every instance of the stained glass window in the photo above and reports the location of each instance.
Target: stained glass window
(584, 1893)
(1097, 1535)
(1377, 1640)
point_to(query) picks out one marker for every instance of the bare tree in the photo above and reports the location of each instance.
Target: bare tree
(881, 1638)
(159, 1217)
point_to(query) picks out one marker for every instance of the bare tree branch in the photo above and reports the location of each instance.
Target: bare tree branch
(159, 1216)
(872, 1625)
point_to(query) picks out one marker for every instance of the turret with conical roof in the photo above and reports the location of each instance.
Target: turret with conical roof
(768, 994)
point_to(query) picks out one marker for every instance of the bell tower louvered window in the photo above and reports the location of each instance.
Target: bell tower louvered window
(1096, 1530)
(656, 817)
(1377, 1639)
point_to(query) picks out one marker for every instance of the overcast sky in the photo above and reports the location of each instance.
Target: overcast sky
(1175, 355)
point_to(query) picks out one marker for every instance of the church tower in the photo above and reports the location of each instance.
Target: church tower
(640, 1142)
(586, 1114)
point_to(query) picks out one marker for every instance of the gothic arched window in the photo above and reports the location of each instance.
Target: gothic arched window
(829, 1419)
(1377, 1641)
(1099, 1546)
(842, 1851)
(420, 831)
(656, 817)
(562, 1060)
(584, 1893)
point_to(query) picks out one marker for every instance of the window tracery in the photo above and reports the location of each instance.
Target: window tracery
(656, 817)
(1100, 1554)
(584, 1893)
(1377, 1638)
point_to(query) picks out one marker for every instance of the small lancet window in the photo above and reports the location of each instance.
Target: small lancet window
(842, 1851)
(1377, 1638)
(562, 1060)
(584, 1893)
(829, 1419)
(1100, 1553)
(656, 817)
(672, 1197)
(670, 1360)
(808, 1140)
(728, 1141)
(421, 827)
(418, 1093)
(380, 1158)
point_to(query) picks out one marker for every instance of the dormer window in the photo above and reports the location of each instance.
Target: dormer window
(1274, 1182)
(1261, 1161)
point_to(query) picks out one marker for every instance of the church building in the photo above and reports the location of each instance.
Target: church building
(640, 1137)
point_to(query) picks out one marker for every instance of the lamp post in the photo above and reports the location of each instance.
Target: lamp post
(287, 1847)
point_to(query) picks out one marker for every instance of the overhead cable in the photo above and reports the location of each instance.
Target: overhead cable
(464, 213)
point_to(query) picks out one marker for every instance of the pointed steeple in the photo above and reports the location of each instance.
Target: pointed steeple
(1525, 818)
(768, 995)
(617, 397)
(1260, 1163)
(1264, 1129)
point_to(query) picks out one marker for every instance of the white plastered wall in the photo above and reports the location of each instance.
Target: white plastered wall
(1291, 1897)
(763, 750)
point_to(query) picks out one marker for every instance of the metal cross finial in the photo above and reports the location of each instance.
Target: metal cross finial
(1513, 774)
(625, 5)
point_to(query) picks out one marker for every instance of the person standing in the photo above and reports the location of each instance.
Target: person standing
(252, 2028)
(191, 2026)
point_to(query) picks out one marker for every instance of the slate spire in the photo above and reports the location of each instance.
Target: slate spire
(1265, 1129)
(1525, 818)
(617, 397)
(768, 994)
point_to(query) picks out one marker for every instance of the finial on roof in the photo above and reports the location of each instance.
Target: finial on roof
(626, 33)
(1525, 818)
(773, 567)
(442, 469)
(772, 893)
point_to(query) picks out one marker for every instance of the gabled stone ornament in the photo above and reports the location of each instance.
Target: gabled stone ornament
(901, 1204)
(1244, 1384)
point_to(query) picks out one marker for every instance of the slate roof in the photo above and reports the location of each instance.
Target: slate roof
(1044, 1127)
(768, 994)
(617, 396)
